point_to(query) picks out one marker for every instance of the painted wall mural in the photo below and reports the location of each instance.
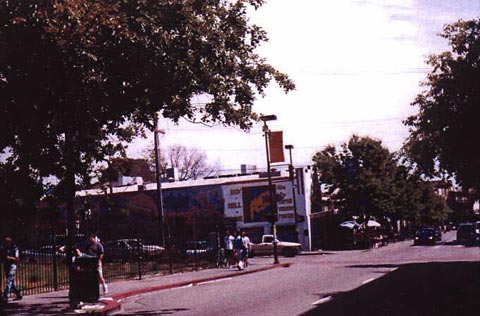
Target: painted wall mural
(256, 204)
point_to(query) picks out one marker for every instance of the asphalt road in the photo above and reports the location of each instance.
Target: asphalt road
(399, 279)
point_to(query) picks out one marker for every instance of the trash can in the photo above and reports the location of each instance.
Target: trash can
(84, 282)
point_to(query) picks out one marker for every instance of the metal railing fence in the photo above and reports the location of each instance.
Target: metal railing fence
(41, 271)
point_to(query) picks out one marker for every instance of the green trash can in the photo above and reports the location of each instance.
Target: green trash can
(84, 283)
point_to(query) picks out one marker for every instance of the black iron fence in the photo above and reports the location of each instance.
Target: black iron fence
(46, 269)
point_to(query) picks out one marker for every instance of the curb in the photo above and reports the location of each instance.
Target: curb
(315, 253)
(112, 304)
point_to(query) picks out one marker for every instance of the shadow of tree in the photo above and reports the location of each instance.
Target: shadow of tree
(156, 313)
(52, 308)
(433, 289)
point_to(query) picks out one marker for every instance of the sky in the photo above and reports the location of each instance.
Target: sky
(357, 66)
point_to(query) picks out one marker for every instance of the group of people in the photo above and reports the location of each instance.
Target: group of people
(237, 247)
(10, 257)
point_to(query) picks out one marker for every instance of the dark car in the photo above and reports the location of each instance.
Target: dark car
(466, 234)
(438, 233)
(477, 232)
(425, 236)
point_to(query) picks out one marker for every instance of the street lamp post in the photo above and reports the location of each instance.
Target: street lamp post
(291, 173)
(271, 192)
(158, 177)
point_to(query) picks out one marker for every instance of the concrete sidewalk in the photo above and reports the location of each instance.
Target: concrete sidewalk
(57, 303)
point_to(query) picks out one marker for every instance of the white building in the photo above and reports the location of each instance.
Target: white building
(242, 201)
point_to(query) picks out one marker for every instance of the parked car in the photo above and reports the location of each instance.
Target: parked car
(477, 233)
(425, 236)
(466, 234)
(43, 254)
(130, 249)
(285, 248)
(197, 249)
(438, 233)
(451, 226)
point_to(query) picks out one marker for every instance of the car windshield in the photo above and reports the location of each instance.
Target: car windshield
(134, 243)
(465, 227)
(425, 231)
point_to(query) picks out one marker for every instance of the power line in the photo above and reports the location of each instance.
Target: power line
(406, 71)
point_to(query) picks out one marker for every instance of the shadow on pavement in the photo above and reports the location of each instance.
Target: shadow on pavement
(156, 313)
(427, 289)
(51, 308)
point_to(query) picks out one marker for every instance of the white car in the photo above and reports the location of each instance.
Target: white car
(285, 248)
(130, 249)
(43, 254)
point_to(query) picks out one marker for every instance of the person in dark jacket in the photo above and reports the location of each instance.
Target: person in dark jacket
(10, 258)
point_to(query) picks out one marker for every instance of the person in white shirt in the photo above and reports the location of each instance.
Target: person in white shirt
(247, 245)
(229, 248)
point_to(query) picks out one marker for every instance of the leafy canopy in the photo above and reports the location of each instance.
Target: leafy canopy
(443, 134)
(77, 77)
(372, 182)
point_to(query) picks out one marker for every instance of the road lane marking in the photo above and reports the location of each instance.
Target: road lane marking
(368, 281)
(436, 247)
(323, 300)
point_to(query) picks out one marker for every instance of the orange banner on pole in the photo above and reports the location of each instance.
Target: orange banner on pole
(275, 144)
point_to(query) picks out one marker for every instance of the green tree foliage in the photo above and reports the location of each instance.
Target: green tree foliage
(78, 77)
(19, 193)
(373, 183)
(443, 132)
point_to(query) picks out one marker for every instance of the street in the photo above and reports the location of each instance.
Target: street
(399, 279)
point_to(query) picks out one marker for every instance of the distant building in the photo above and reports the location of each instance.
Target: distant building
(200, 209)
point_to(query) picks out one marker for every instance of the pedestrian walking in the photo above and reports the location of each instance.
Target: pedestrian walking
(247, 245)
(95, 248)
(10, 257)
(238, 247)
(228, 240)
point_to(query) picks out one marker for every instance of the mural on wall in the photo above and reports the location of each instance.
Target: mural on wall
(256, 204)
(136, 214)
(193, 202)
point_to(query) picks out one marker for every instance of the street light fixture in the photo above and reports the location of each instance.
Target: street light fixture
(291, 172)
(158, 177)
(271, 192)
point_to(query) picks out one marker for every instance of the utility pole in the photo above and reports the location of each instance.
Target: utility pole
(271, 190)
(291, 172)
(158, 177)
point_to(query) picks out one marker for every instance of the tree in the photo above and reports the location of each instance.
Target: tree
(79, 77)
(373, 183)
(189, 163)
(361, 171)
(19, 193)
(443, 133)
